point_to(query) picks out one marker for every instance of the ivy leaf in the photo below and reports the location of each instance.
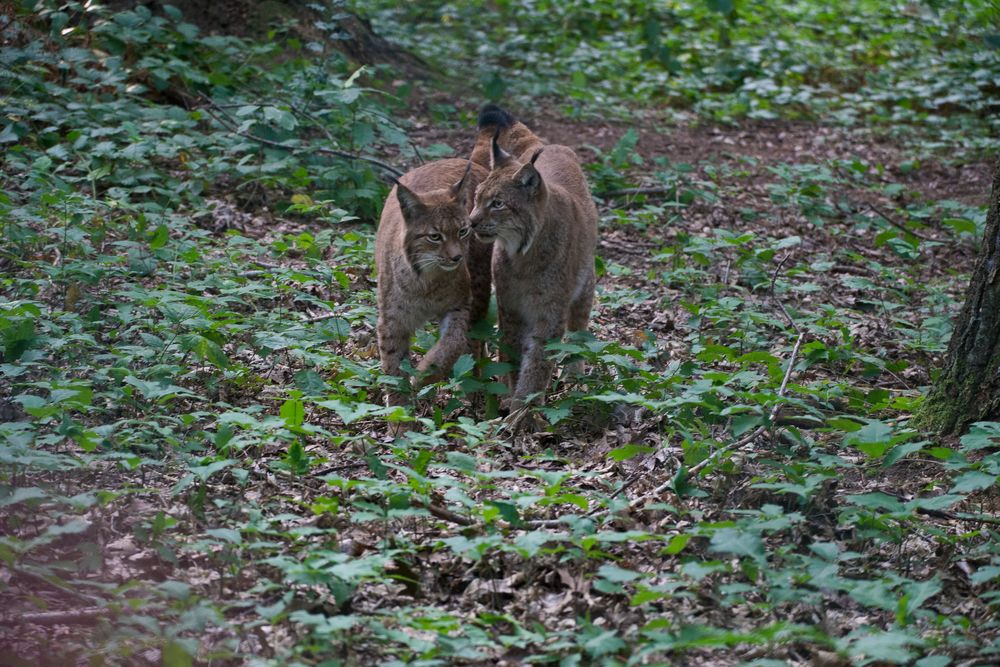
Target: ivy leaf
(206, 471)
(24, 494)
(603, 644)
(935, 503)
(629, 451)
(507, 510)
(877, 501)
(351, 412)
(676, 544)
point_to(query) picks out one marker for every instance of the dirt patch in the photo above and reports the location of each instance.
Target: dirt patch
(755, 146)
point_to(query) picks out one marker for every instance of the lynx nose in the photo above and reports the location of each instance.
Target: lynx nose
(476, 217)
(456, 258)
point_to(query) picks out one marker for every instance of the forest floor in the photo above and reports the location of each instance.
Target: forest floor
(735, 164)
(733, 168)
(200, 470)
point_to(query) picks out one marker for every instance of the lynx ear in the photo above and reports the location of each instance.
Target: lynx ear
(456, 188)
(498, 156)
(527, 177)
(538, 151)
(409, 203)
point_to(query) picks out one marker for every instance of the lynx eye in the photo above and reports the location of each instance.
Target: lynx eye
(463, 232)
(434, 237)
(497, 205)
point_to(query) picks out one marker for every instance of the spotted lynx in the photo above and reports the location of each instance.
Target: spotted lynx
(424, 259)
(536, 207)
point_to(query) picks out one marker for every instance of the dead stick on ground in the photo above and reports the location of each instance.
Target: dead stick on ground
(898, 225)
(445, 514)
(628, 192)
(87, 616)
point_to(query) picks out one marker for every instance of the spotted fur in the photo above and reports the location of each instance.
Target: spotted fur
(424, 255)
(536, 206)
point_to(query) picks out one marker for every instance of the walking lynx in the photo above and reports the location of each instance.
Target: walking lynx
(428, 266)
(536, 206)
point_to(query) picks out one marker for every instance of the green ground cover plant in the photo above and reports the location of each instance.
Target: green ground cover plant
(196, 464)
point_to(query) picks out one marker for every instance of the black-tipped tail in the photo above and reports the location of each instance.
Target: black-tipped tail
(493, 116)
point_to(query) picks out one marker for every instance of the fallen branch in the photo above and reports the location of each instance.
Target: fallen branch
(445, 514)
(895, 223)
(628, 192)
(229, 123)
(87, 616)
(56, 584)
(321, 318)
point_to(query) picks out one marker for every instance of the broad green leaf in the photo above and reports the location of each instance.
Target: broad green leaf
(310, 383)
(225, 534)
(982, 435)
(463, 365)
(293, 411)
(893, 646)
(676, 544)
(973, 481)
(617, 574)
(175, 655)
(738, 541)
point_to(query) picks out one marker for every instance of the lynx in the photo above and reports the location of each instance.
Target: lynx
(536, 207)
(428, 266)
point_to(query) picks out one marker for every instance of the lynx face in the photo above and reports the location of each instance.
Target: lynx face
(437, 227)
(508, 201)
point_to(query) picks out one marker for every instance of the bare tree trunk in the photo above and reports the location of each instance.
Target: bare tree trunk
(968, 388)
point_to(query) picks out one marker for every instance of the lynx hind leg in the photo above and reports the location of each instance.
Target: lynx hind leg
(452, 343)
(579, 309)
(578, 320)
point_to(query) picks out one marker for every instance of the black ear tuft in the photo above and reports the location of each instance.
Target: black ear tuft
(538, 151)
(498, 156)
(456, 189)
(409, 202)
(493, 116)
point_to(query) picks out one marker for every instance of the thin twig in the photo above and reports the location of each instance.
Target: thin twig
(230, 124)
(760, 430)
(320, 318)
(633, 478)
(981, 518)
(87, 616)
(416, 151)
(445, 514)
(58, 585)
(627, 192)
(895, 223)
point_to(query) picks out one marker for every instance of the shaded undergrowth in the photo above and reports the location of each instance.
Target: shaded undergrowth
(196, 463)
